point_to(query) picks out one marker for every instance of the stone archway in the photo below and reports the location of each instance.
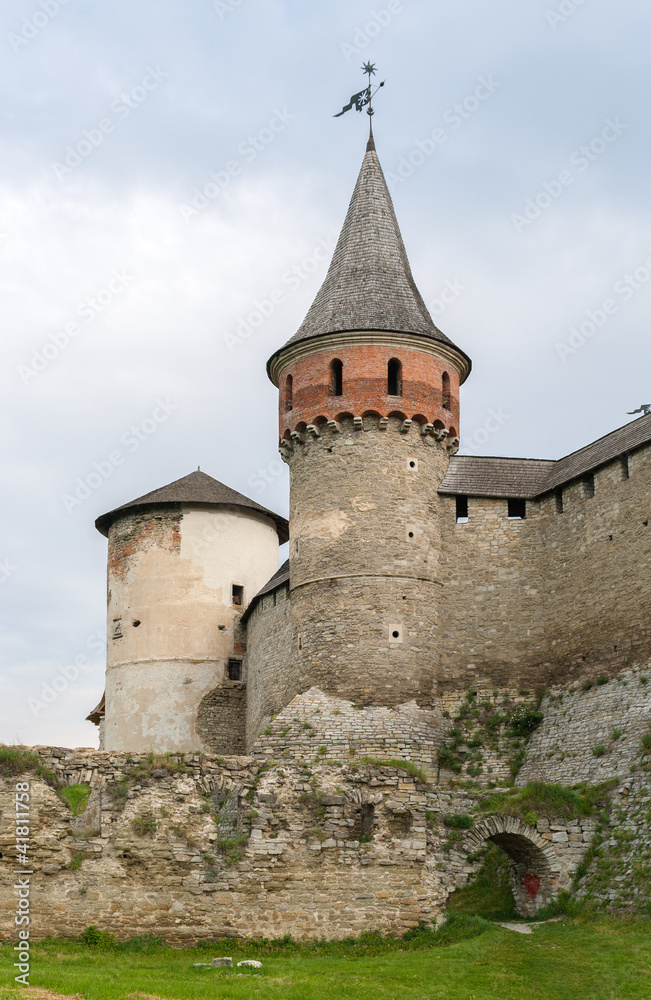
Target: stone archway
(534, 867)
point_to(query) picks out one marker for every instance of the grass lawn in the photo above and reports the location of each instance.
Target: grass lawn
(573, 959)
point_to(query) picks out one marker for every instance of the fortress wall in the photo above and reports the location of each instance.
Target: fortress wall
(318, 724)
(578, 721)
(325, 854)
(493, 619)
(270, 680)
(553, 597)
(598, 570)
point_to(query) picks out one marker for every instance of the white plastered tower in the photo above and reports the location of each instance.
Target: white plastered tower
(183, 562)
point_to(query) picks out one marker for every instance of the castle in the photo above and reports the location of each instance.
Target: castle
(327, 748)
(413, 573)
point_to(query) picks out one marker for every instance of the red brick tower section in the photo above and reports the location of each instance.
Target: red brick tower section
(369, 415)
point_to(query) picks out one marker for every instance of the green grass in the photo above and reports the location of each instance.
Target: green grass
(18, 760)
(537, 798)
(489, 894)
(570, 960)
(76, 796)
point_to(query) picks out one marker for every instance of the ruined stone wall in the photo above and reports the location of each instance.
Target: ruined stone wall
(310, 851)
(364, 560)
(556, 596)
(271, 681)
(196, 847)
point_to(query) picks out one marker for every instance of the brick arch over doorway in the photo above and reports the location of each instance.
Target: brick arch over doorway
(534, 865)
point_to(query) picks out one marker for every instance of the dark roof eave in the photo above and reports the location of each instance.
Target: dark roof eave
(104, 521)
(279, 579)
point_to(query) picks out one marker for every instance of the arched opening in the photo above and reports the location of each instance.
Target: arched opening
(289, 393)
(533, 869)
(452, 432)
(394, 377)
(445, 386)
(336, 377)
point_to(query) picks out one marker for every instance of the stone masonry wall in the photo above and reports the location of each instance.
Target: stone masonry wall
(364, 561)
(221, 718)
(610, 718)
(195, 847)
(271, 683)
(554, 597)
(321, 724)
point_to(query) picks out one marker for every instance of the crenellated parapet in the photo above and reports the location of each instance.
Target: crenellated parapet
(325, 430)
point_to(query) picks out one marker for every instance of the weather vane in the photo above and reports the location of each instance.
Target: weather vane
(365, 97)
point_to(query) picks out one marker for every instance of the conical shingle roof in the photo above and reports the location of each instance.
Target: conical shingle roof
(369, 284)
(197, 488)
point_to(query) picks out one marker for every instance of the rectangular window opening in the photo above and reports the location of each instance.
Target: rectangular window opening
(237, 595)
(626, 472)
(559, 501)
(517, 509)
(462, 510)
(235, 670)
(588, 486)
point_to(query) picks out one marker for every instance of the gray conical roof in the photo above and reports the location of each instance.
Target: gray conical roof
(197, 488)
(369, 284)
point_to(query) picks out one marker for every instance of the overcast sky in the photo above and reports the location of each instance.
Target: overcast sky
(165, 165)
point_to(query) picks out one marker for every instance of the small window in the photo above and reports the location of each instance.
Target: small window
(462, 510)
(588, 486)
(446, 391)
(235, 670)
(237, 594)
(625, 467)
(517, 509)
(337, 377)
(289, 393)
(394, 377)
(559, 501)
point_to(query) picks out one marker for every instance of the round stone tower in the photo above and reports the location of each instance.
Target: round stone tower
(369, 415)
(183, 563)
